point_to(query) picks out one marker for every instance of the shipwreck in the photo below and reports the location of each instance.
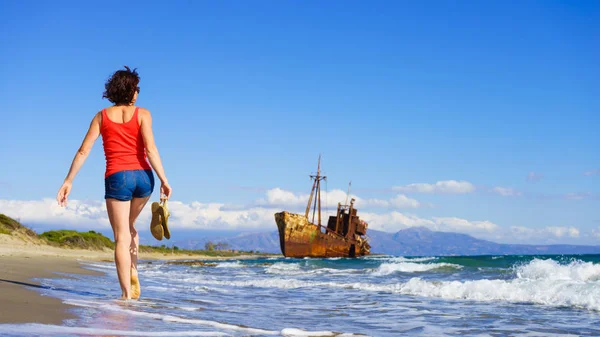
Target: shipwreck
(344, 235)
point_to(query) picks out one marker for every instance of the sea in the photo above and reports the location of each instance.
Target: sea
(369, 296)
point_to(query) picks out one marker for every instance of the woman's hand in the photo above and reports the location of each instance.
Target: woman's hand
(165, 191)
(63, 193)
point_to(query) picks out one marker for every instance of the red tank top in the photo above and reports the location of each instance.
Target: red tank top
(123, 145)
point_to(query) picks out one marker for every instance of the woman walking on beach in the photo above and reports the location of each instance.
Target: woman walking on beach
(128, 180)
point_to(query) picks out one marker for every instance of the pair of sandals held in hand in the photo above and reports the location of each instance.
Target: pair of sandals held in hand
(159, 226)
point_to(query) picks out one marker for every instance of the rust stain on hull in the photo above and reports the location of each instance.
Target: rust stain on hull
(300, 238)
(342, 237)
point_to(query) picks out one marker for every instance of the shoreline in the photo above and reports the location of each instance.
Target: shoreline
(23, 262)
(21, 300)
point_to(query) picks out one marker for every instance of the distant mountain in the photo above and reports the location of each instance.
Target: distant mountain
(420, 241)
(266, 242)
(416, 241)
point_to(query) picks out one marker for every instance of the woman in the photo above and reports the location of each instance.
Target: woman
(128, 180)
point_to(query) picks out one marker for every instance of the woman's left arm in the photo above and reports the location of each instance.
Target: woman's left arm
(80, 157)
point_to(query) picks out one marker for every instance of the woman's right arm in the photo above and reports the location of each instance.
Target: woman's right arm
(152, 152)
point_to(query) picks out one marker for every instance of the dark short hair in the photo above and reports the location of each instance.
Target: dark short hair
(121, 86)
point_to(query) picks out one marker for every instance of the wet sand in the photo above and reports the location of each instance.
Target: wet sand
(22, 261)
(20, 300)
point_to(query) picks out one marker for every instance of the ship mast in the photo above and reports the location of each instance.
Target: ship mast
(316, 190)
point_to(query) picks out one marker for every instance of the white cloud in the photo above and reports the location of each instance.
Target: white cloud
(395, 221)
(440, 187)
(573, 232)
(402, 201)
(506, 191)
(533, 176)
(281, 198)
(85, 214)
(522, 231)
(596, 232)
(591, 173)
(578, 196)
(399, 201)
(550, 232)
(92, 215)
(197, 215)
(563, 231)
(463, 225)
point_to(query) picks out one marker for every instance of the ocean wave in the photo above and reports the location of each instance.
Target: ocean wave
(288, 332)
(53, 330)
(236, 264)
(549, 269)
(47, 329)
(547, 292)
(573, 285)
(100, 266)
(540, 281)
(169, 318)
(412, 259)
(291, 332)
(294, 269)
(283, 268)
(410, 267)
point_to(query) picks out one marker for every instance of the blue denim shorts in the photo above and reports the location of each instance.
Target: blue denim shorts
(125, 185)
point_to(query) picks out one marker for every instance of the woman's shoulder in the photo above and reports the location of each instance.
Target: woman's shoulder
(143, 110)
(143, 113)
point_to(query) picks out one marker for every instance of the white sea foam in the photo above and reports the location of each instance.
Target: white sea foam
(410, 267)
(54, 330)
(283, 268)
(101, 266)
(291, 332)
(156, 288)
(551, 270)
(334, 271)
(295, 269)
(236, 264)
(413, 259)
(541, 282)
(169, 318)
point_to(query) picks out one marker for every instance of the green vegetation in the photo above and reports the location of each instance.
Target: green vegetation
(75, 239)
(207, 252)
(9, 225)
(97, 241)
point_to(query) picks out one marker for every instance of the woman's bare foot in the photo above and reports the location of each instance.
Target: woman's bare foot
(135, 284)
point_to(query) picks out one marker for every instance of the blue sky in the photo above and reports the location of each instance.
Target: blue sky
(474, 97)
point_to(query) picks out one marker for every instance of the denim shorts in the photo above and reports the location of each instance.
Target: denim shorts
(125, 185)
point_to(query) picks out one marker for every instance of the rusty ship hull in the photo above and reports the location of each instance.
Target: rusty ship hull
(300, 238)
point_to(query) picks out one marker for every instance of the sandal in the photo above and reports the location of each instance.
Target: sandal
(156, 227)
(165, 220)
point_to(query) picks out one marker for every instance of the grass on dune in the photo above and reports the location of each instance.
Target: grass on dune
(97, 241)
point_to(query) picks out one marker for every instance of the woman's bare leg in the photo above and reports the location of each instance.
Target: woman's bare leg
(136, 207)
(118, 214)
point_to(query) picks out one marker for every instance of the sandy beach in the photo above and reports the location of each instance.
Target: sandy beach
(22, 261)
